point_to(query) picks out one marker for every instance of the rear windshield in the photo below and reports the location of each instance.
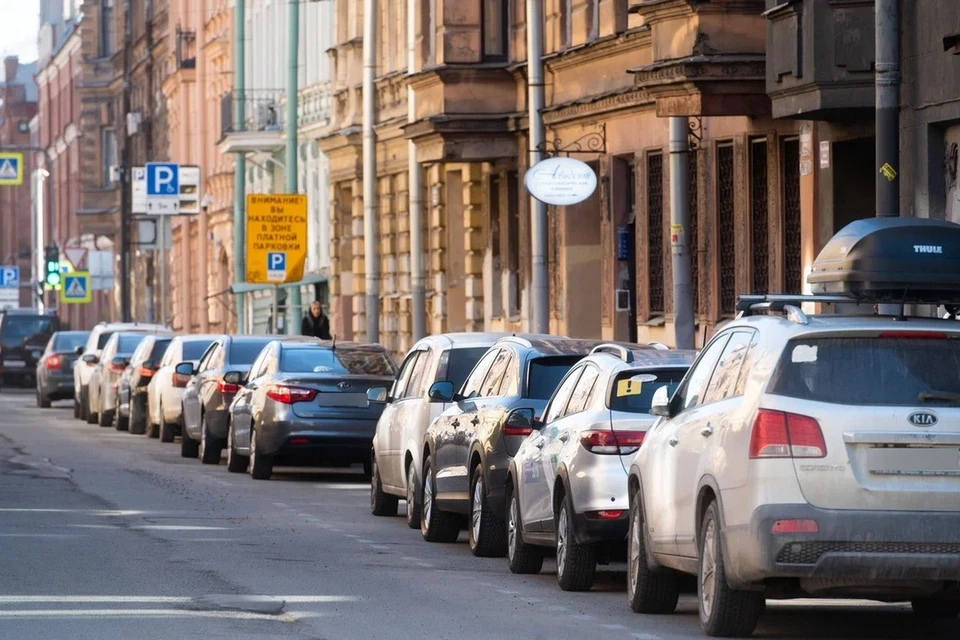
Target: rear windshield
(633, 392)
(194, 349)
(869, 371)
(159, 348)
(456, 364)
(69, 341)
(129, 344)
(103, 339)
(545, 375)
(244, 353)
(346, 361)
(17, 327)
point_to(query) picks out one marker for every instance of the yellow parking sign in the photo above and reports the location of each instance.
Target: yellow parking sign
(276, 238)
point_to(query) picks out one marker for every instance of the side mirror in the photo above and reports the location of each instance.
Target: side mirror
(91, 359)
(377, 395)
(660, 405)
(520, 422)
(184, 369)
(78, 351)
(442, 391)
(233, 377)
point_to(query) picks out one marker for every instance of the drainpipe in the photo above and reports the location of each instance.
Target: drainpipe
(887, 27)
(126, 165)
(239, 162)
(417, 285)
(683, 312)
(293, 88)
(540, 298)
(371, 258)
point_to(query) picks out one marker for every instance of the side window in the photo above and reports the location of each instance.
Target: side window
(270, 363)
(692, 391)
(206, 360)
(560, 397)
(723, 383)
(745, 369)
(256, 369)
(400, 386)
(491, 385)
(471, 387)
(582, 392)
(511, 377)
(418, 377)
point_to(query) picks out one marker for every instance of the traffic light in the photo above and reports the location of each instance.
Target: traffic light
(52, 259)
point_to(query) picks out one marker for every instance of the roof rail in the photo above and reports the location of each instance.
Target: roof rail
(752, 305)
(523, 342)
(617, 350)
(658, 346)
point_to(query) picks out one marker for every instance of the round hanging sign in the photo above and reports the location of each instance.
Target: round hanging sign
(560, 181)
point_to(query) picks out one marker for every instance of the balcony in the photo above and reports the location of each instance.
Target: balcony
(263, 124)
(313, 105)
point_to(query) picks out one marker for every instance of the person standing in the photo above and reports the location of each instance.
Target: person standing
(316, 323)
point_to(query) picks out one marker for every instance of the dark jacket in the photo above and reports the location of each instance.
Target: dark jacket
(316, 327)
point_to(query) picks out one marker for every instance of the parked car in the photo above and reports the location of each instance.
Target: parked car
(567, 485)
(165, 390)
(132, 393)
(24, 334)
(54, 370)
(306, 404)
(467, 450)
(409, 410)
(90, 356)
(813, 455)
(102, 387)
(208, 394)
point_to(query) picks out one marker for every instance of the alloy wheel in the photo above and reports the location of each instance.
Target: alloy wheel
(633, 559)
(513, 518)
(427, 498)
(253, 448)
(562, 540)
(708, 571)
(476, 509)
(374, 484)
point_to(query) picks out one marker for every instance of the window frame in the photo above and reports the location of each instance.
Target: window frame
(503, 7)
(574, 373)
(588, 396)
(491, 353)
(487, 391)
(678, 400)
(707, 397)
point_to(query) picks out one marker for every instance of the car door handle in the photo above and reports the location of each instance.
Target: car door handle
(455, 423)
(674, 441)
(540, 442)
(564, 437)
(707, 431)
(475, 421)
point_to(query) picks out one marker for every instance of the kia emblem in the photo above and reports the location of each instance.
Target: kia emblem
(346, 385)
(923, 419)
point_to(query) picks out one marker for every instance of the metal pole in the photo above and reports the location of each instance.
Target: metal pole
(683, 312)
(887, 16)
(371, 258)
(41, 267)
(152, 256)
(239, 162)
(51, 219)
(164, 225)
(293, 88)
(417, 289)
(124, 247)
(35, 188)
(540, 298)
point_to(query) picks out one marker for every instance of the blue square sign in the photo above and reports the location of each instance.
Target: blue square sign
(9, 276)
(163, 179)
(277, 266)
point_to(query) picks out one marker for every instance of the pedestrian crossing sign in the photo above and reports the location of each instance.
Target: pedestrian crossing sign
(11, 169)
(76, 288)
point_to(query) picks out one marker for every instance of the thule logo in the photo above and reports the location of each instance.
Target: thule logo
(922, 419)
(927, 248)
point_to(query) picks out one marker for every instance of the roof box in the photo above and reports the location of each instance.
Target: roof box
(908, 260)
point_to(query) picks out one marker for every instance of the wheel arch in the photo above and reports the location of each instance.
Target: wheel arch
(561, 488)
(708, 490)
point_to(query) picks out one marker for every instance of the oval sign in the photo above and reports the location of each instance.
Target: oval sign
(923, 419)
(560, 181)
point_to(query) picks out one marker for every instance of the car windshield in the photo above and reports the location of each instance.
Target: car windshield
(344, 360)
(194, 349)
(244, 352)
(17, 327)
(870, 371)
(633, 391)
(129, 344)
(69, 341)
(159, 348)
(456, 364)
(103, 339)
(545, 374)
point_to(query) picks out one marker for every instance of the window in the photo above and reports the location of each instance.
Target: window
(415, 386)
(495, 25)
(106, 28)
(259, 365)
(108, 151)
(655, 233)
(343, 361)
(207, 357)
(513, 243)
(17, 328)
(456, 364)
(244, 352)
(565, 23)
(194, 349)
(792, 267)
(102, 340)
(471, 387)
(491, 385)
(692, 391)
(633, 391)
(406, 370)
(545, 374)
(759, 242)
(129, 343)
(582, 392)
(511, 378)
(726, 230)
(723, 383)
(158, 350)
(559, 400)
(68, 341)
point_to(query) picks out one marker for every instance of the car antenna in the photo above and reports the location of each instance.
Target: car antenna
(334, 347)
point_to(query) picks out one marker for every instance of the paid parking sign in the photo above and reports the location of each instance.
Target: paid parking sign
(76, 288)
(276, 238)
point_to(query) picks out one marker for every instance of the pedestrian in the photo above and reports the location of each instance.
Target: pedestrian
(316, 323)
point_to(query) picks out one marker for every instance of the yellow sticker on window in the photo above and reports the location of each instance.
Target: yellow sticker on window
(629, 388)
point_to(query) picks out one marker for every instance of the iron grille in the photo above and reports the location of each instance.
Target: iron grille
(792, 267)
(655, 231)
(693, 242)
(726, 230)
(760, 250)
(811, 552)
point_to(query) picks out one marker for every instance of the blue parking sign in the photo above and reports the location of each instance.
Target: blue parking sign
(277, 266)
(9, 276)
(163, 179)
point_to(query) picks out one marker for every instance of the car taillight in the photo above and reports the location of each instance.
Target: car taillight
(795, 526)
(919, 335)
(53, 362)
(180, 381)
(606, 514)
(777, 434)
(612, 442)
(285, 394)
(227, 389)
(146, 372)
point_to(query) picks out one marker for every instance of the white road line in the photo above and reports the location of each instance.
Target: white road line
(615, 627)
(365, 541)
(82, 599)
(507, 592)
(645, 636)
(379, 546)
(154, 613)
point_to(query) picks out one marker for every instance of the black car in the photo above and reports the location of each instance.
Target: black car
(467, 450)
(143, 365)
(54, 370)
(24, 334)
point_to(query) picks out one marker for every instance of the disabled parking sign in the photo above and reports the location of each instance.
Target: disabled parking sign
(276, 266)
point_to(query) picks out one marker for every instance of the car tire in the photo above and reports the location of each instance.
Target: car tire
(435, 525)
(91, 417)
(120, 423)
(138, 422)
(650, 591)
(576, 563)
(153, 431)
(487, 531)
(235, 462)
(522, 558)
(261, 466)
(211, 449)
(189, 448)
(168, 430)
(932, 608)
(413, 502)
(381, 502)
(43, 402)
(76, 407)
(84, 405)
(724, 612)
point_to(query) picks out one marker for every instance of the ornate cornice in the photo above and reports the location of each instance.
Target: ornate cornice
(619, 101)
(716, 68)
(603, 48)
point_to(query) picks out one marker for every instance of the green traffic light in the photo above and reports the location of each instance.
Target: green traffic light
(53, 279)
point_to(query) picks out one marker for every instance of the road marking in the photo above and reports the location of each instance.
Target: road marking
(380, 546)
(40, 535)
(507, 592)
(156, 613)
(365, 541)
(645, 636)
(615, 627)
(80, 599)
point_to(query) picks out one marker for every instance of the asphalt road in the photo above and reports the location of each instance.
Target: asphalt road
(108, 535)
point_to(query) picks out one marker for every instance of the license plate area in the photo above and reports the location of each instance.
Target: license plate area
(14, 364)
(343, 400)
(914, 461)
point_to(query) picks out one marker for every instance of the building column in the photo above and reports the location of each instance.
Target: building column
(388, 197)
(436, 307)
(402, 247)
(358, 269)
(474, 244)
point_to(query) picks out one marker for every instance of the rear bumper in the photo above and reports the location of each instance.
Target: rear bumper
(324, 440)
(589, 530)
(853, 546)
(56, 384)
(18, 370)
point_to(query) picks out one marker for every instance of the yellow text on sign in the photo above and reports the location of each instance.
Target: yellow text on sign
(276, 238)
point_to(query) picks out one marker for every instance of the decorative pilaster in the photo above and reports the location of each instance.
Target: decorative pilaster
(474, 244)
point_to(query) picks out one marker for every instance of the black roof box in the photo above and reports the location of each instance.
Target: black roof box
(891, 260)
